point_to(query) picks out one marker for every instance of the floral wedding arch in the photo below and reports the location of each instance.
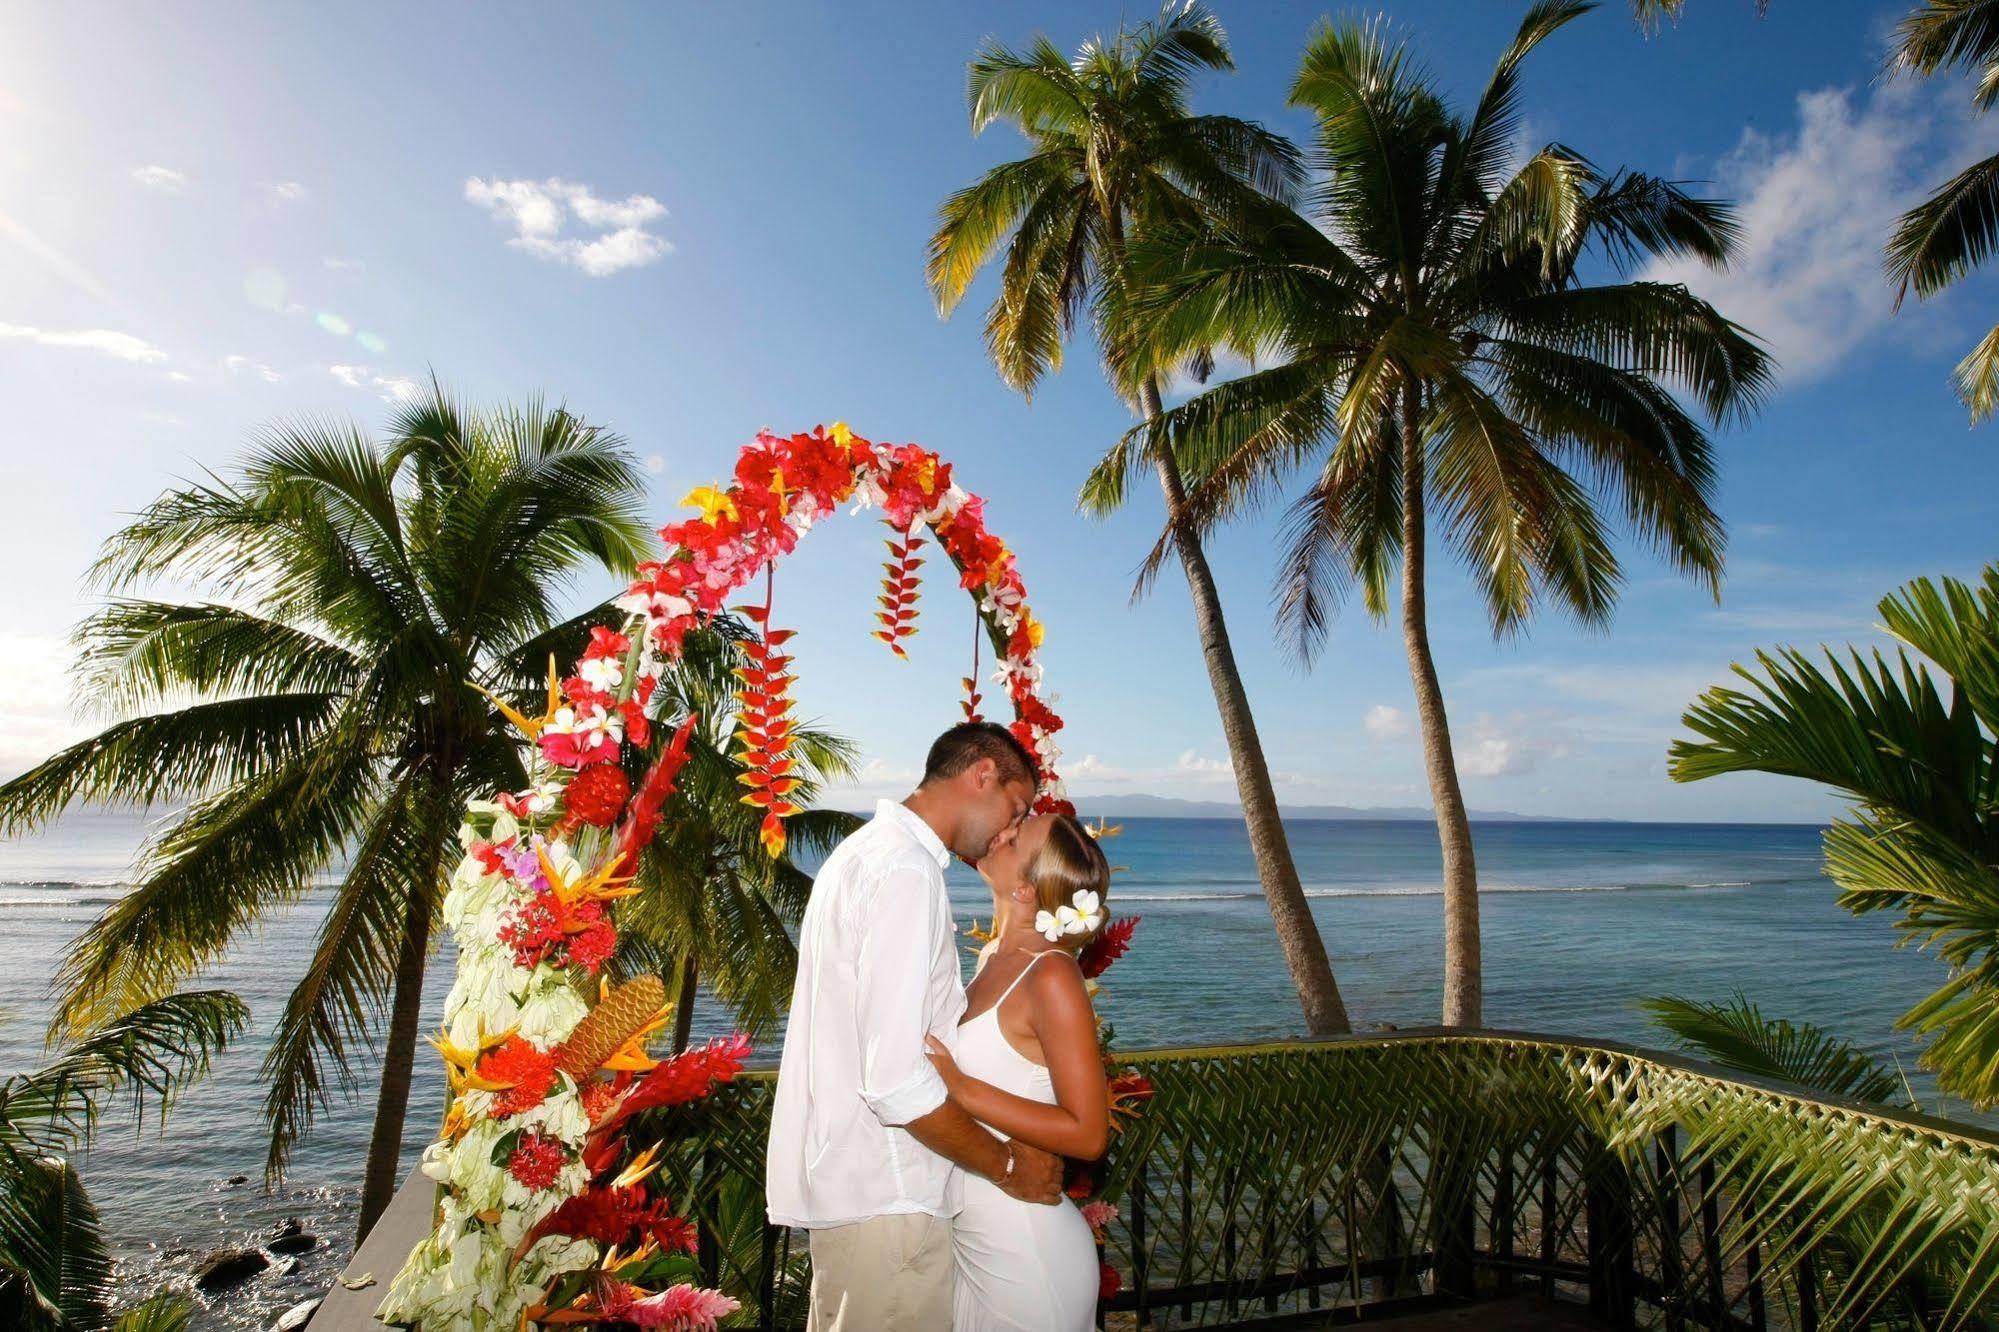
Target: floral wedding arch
(544, 1214)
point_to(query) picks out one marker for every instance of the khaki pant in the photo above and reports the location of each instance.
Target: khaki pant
(885, 1274)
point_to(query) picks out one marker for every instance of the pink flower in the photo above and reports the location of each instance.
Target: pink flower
(681, 1308)
(1099, 1213)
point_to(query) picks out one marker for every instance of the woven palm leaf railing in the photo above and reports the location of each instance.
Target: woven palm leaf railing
(1363, 1173)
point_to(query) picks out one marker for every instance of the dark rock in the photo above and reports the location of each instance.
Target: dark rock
(237, 1179)
(228, 1267)
(291, 1236)
(296, 1317)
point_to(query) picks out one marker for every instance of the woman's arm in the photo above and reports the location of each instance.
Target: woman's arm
(1078, 1124)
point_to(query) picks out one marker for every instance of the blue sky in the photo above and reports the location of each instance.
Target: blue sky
(215, 216)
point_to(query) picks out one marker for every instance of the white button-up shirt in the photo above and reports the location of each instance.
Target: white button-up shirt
(877, 972)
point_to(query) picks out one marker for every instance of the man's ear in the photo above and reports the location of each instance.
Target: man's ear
(985, 775)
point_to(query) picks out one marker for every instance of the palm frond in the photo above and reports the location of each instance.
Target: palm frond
(1939, 34)
(1977, 377)
(231, 857)
(150, 1054)
(171, 755)
(55, 1268)
(1736, 1035)
(1948, 234)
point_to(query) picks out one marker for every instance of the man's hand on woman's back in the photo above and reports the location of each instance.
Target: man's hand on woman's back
(1036, 1177)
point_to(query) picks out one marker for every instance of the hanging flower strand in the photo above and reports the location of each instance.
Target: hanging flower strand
(899, 590)
(765, 725)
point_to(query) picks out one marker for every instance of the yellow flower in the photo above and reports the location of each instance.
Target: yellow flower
(529, 726)
(711, 502)
(841, 434)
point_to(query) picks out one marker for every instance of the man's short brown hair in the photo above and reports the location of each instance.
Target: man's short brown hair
(968, 742)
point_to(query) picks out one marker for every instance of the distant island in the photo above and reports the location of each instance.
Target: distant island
(1138, 806)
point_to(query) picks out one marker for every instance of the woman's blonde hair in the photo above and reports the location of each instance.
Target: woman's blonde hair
(1069, 862)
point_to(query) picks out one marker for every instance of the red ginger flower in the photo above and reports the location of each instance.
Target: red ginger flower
(537, 1161)
(1107, 947)
(681, 1308)
(685, 1077)
(611, 1216)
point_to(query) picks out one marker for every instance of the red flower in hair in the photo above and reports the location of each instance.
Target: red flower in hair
(1107, 947)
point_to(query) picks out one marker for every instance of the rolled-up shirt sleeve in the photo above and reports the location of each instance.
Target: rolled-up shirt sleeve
(898, 1081)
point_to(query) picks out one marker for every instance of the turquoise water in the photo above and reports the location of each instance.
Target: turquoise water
(1580, 920)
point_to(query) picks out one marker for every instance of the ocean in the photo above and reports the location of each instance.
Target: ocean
(1581, 920)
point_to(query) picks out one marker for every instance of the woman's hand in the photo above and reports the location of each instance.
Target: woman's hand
(940, 1058)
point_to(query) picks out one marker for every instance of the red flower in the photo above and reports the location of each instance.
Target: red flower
(597, 794)
(606, 643)
(525, 1072)
(1107, 947)
(1109, 1283)
(591, 947)
(537, 1161)
(686, 1077)
(642, 820)
(617, 1216)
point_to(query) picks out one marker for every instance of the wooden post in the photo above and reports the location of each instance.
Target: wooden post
(1607, 1216)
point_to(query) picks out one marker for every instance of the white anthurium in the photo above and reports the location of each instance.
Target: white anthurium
(560, 1115)
(472, 908)
(550, 1012)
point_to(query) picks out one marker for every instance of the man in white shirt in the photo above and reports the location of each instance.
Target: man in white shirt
(862, 1139)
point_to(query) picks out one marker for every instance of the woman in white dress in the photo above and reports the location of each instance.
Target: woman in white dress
(1028, 1068)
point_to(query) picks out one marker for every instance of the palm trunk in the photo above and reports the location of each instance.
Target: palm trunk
(1297, 932)
(385, 1143)
(392, 1098)
(683, 1003)
(1464, 985)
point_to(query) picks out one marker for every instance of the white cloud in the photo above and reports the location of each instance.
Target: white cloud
(655, 464)
(1507, 747)
(539, 212)
(285, 191)
(391, 388)
(1817, 206)
(105, 341)
(180, 376)
(1386, 723)
(335, 265)
(156, 177)
(35, 721)
(237, 365)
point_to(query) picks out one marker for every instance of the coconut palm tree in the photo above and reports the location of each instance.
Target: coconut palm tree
(1114, 146)
(1426, 334)
(319, 705)
(1950, 233)
(55, 1271)
(1650, 13)
(1919, 758)
(716, 905)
